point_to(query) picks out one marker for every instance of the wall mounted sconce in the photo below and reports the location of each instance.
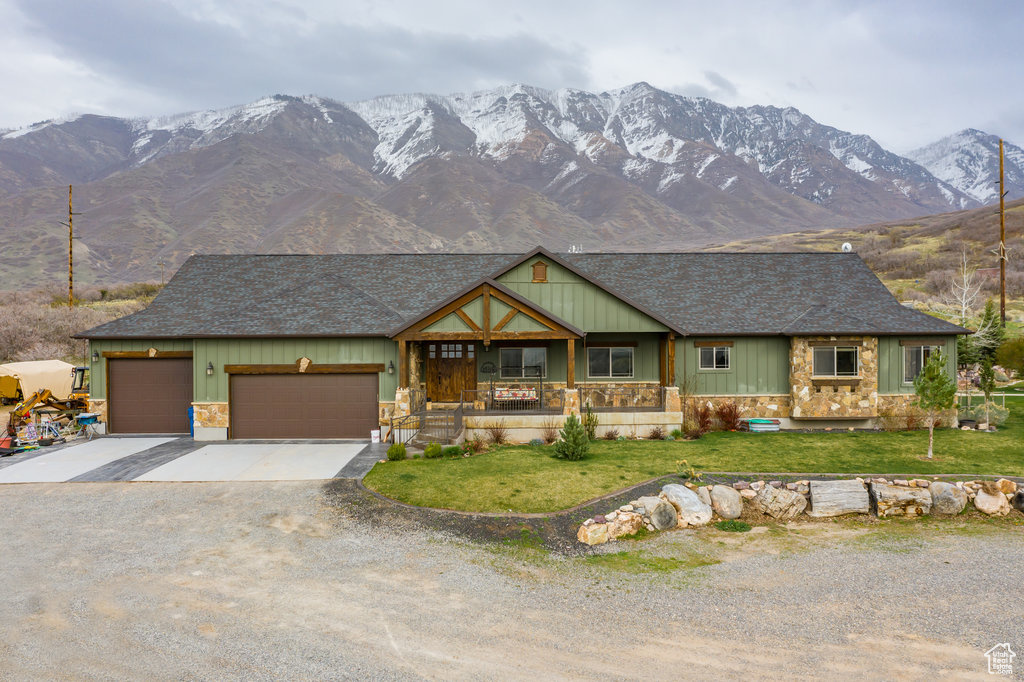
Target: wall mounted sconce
(391, 366)
(95, 356)
(209, 369)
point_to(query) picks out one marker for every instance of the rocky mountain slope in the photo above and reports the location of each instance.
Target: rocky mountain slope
(505, 169)
(969, 161)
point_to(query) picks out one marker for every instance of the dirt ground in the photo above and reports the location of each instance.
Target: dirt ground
(302, 581)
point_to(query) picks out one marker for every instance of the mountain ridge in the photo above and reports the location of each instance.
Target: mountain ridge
(510, 167)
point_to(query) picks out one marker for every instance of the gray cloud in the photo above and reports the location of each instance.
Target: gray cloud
(202, 63)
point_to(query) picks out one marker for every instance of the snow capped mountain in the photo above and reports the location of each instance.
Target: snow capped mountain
(969, 161)
(511, 167)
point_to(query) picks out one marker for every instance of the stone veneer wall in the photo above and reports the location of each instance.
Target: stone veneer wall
(99, 406)
(898, 403)
(753, 406)
(212, 415)
(815, 399)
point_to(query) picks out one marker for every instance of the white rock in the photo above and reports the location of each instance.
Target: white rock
(780, 503)
(726, 502)
(993, 504)
(947, 498)
(692, 511)
(836, 498)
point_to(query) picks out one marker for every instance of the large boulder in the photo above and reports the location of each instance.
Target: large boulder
(662, 514)
(993, 504)
(625, 523)
(593, 534)
(780, 503)
(692, 512)
(1006, 486)
(726, 502)
(895, 500)
(836, 498)
(1018, 501)
(947, 498)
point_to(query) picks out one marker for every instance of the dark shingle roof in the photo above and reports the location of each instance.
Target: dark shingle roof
(373, 294)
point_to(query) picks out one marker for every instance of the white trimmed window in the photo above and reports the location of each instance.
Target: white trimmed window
(520, 363)
(714, 357)
(836, 361)
(914, 360)
(610, 363)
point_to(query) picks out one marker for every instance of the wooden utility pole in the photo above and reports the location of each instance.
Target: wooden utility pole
(71, 256)
(1002, 240)
(71, 242)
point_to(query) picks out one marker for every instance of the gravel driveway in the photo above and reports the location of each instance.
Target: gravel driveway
(285, 580)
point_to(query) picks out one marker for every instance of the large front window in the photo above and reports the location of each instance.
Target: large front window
(611, 363)
(519, 363)
(835, 361)
(914, 360)
(714, 357)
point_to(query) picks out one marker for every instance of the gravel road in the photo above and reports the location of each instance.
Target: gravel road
(289, 581)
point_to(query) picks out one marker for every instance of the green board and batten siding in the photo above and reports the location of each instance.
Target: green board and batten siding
(757, 366)
(890, 363)
(356, 350)
(220, 352)
(575, 300)
(97, 373)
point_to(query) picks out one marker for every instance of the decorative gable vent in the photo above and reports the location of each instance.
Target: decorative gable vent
(540, 271)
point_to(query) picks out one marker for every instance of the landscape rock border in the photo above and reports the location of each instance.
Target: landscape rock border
(880, 496)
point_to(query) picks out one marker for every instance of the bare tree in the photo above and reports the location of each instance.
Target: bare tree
(965, 287)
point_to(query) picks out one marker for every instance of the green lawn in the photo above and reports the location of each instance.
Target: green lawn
(525, 478)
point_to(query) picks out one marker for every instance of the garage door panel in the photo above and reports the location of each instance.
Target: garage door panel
(149, 395)
(303, 405)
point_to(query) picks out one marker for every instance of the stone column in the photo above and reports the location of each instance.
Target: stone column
(572, 402)
(672, 401)
(402, 407)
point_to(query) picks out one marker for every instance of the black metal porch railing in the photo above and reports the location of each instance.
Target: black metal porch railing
(499, 400)
(622, 398)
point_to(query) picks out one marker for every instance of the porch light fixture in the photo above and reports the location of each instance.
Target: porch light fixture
(391, 366)
(95, 356)
(209, 369)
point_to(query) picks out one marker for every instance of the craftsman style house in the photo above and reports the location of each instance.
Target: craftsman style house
(334, 346)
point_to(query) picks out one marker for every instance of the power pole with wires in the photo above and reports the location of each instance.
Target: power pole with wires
(71, 257)
(1002, 240)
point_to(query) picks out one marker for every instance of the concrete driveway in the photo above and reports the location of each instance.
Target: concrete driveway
(182, 459)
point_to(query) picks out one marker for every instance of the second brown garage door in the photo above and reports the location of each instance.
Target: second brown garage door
(150, 395)
(303, 405)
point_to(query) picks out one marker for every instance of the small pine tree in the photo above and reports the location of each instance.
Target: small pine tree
(574, 444)
(990, 335)
(936, 392)
(590, 423)
(987, 376)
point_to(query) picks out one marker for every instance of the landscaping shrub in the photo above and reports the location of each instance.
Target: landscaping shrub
(733, 526)
(997, 414)
(396, 452)
(549, 432)
(574, 444)
(702, 415)
(590, 423)
(657, 433)
(452, 451)
(474, 445)
(536, 441)
(432, 451)
(728, 414)
(677, 434)
(686, 471)
(691, 429)
(611, 434)
(497, 432)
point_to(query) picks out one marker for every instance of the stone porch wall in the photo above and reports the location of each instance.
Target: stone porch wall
(900, 403)
(753, 406)
(813, 399)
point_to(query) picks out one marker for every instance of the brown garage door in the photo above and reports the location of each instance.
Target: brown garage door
(149, 395)
(303, 405)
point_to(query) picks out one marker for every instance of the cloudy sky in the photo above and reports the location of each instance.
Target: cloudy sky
(905, 72)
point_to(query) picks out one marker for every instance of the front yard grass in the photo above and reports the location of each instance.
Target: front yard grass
(525, 478)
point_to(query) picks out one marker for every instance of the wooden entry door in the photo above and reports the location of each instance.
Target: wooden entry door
(450, 367)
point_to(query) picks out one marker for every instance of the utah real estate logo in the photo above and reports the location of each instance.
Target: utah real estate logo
(1000, 659)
